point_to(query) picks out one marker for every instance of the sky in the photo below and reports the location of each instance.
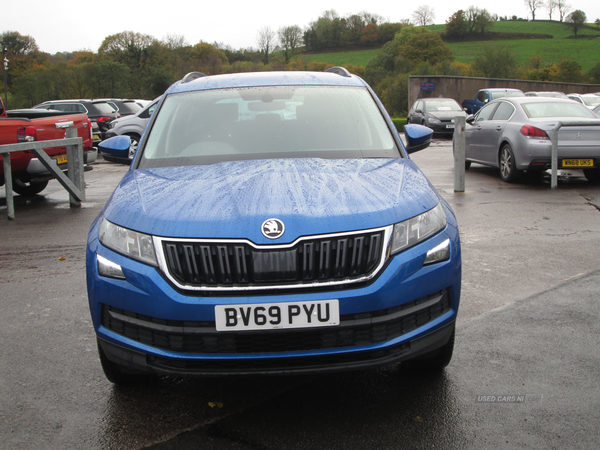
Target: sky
(67, 25)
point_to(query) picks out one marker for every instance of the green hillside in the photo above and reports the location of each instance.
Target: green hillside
(585, 51)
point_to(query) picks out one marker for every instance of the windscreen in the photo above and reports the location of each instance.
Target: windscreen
(442, 105)
(205, 127)
(557, 109)
(504, 94)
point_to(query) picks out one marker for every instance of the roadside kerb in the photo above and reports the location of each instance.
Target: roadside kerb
(554, 139)
(74, 183)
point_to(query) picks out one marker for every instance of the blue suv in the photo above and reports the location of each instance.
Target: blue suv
(272, 223)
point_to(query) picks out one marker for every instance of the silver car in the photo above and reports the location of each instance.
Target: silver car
(132, 126)
(513, 134)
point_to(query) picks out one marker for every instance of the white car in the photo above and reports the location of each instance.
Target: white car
(589, 100)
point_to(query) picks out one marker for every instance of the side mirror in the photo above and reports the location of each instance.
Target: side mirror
(470, 118)
(418, 137)
(486, 100)
(115, 147)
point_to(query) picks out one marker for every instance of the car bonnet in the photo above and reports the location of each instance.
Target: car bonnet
(233, 199)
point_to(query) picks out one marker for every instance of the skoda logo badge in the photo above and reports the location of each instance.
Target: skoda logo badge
(273, 228)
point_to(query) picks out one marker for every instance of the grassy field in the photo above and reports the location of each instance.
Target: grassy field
(585, 51)
(358, 57)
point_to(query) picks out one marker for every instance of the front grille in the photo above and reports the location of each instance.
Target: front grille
(206, 265)
(192, 337)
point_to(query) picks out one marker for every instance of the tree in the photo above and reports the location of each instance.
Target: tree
(594, 74)
(423, 15)
(495, 62)
(456, 25)
(569, 71)
(289, 40)
(426, 47)
(576, 19)
(550, 7)
(533, 6)
(22, 53)
(483, 21)
(563, 9)
(369, 34)
(266, 42)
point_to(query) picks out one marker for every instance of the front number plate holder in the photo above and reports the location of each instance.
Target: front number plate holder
(273, 316)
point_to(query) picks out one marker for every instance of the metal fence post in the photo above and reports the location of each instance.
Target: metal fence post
(458, 145)
(75, 168)
(10, 204)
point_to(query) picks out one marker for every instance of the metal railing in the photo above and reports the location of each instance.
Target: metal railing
(459, 150)
(74, 183)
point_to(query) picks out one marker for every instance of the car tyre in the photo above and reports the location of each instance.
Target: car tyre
(116, 375)
(508, 169)
(592, 175)
(467, 165)
(434, 361)
(135, 140)
(29, 188)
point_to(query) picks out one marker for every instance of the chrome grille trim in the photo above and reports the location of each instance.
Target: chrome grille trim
(240, 263)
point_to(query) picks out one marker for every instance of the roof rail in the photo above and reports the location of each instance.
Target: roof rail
(340, 71)
(192, 76)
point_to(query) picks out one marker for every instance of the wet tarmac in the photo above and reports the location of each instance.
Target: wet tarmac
(524, 374)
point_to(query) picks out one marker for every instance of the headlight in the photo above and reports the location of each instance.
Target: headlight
(130, 243)
(433, 120)
(412, 231)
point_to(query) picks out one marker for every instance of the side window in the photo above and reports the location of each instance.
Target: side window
(485, 113)
(482, 96)
(419, 106)
(504, 111)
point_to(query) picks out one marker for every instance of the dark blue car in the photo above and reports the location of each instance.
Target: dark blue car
(272, 223)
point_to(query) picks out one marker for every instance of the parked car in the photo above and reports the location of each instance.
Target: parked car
(99, 111)
(272, 223)
(132, 126)
(436, 113)
(589, 100)
(554, 94)
(29, 174)
(487, 95)
(513, 134)
(596, 109)
(143, 103)
(125, 107)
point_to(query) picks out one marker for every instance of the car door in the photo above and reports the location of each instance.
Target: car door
(491, 131)
(415, 117)
(473, 131)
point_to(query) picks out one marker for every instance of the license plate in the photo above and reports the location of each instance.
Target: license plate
(577, 162)
(60, 159)
(449, 126)
(271, 316)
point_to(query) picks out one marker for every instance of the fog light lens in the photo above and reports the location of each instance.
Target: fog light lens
(109, 269)
(439, 253)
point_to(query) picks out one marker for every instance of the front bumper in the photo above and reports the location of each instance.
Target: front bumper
(446, 127)
(139, 362)
(146, 324)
